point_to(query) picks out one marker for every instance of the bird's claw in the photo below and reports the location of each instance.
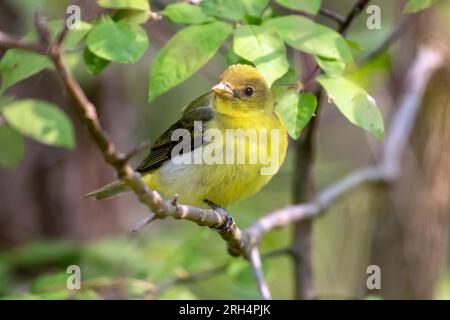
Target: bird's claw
(226, 226)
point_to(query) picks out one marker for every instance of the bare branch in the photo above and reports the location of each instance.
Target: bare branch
(160, 207)
(245, 243)
(62, 35)
(8, 42)
(254, 259)
(42, 30)
(304, 185)
(427, 61)
(332, 15)
(141, 224)
(135, 151)
(354, 12)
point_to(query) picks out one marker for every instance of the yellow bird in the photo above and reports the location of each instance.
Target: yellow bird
(227, 145)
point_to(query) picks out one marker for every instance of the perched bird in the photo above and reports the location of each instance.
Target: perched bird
(202, 173)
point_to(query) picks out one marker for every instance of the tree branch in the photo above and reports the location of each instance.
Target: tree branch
(160, 207)
(9, 42)
(304, 184)
(354, 12)
(427, 61)
(246, 242)
(331, 15)
(254, 258)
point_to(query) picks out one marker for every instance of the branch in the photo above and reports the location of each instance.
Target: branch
(160, 207)
(243, 243)
(427, 61)
(354, 12)
(9, 41)
(304, 184)
(254, 259)
(332, 15)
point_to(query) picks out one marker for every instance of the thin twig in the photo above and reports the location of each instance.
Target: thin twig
(354, 12)
(254, 259)
(62, 35)
(86, 110)
(43, 32)
(135, 151)
(304, 184)
(427, 61)
(332, 15)
(8, 41)
(141, 224)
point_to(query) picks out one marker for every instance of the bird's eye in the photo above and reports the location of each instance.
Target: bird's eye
(248, 91)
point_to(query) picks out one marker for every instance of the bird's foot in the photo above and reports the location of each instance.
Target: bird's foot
(229, 222)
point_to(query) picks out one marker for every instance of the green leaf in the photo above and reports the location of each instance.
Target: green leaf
(94, 64)
(308, 36)
(228, 9)
(184, 54)
(295, 109)
(183, 12)
(354, 103)
(233, 58)
(264, 49)
(307, 105)
(17, 65)
(11, 147)
(309, 6)
(417, 5)
(125, 4)
(255, 8)
(133, 17)
(354, 45)
(74, 36)
(41, 121)
(290, 78)
(117, 41)
(332, 67)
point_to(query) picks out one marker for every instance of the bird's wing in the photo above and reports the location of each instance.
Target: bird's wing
(198, 110)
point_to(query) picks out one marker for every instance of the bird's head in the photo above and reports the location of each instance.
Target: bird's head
(242, 89)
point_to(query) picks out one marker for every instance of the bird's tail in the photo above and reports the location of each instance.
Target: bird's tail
(110, 190)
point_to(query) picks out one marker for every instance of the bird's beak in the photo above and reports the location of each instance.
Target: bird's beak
(223, 89)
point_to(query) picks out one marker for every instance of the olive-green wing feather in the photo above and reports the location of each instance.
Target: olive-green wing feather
(160, 152)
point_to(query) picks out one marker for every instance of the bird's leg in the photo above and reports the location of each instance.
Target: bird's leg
(225, 227)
